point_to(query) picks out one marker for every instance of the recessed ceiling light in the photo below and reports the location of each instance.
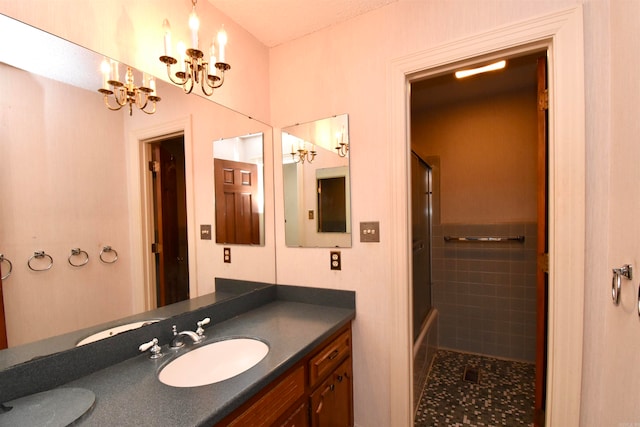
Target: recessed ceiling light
(491, 67)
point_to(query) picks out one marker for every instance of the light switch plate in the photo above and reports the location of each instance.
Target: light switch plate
(227, 255)
(205, 231)
(370, 231)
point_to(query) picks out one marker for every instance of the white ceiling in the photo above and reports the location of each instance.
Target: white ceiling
(274, 22)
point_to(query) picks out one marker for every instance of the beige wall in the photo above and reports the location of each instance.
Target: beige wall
(611, 348)
(487, 150)
(343, 69)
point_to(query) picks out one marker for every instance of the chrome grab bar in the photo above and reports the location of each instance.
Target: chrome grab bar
(483, 239)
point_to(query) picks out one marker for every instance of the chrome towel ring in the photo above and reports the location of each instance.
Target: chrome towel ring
(77, 252)
(616, 281)
(39, 255)
(2, 258)
(110, 259)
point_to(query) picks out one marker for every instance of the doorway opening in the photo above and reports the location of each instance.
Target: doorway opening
(481, 139)
(169, 219)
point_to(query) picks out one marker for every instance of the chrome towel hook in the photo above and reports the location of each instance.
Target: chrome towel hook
(2, 258)
(616, 282)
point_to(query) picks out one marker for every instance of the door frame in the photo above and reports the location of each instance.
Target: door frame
(141, 203)
(561, 34)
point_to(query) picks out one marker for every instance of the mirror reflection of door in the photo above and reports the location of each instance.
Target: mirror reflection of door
(236, 188)
(332, 205)
(170, 221)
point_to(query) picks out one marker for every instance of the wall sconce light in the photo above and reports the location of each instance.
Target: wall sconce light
(302, 154)
(342, 147)
(194, 68)
(127, 93)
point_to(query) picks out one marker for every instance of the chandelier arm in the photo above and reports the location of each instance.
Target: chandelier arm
(204, 84)
(220, 82)
(180, 81)
(187, 87)
(120, 96)
(149, 112)
(106, 102)
(142, 95)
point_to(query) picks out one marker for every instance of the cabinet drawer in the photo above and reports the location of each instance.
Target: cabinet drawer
(275, 402)
(329, 357)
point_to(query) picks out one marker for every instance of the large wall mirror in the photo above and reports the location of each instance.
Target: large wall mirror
(76, 184)
(317, 199)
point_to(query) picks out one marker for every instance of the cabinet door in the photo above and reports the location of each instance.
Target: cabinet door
(300, 418)
(343, 394)
(331, 403)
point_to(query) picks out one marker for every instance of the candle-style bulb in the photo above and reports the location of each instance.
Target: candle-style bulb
(182, 49)
(115, 74)
(222, 42)
(105, 68)
(166, 27)
(194, 25)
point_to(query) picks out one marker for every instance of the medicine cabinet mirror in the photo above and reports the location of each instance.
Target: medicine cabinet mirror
(239, 189)
(316, 176)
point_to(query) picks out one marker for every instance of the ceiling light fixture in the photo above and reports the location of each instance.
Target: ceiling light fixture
(473, 71)
(194, 68)
(127, 93)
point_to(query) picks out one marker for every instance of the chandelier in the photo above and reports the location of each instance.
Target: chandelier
(302, 154)
(194, 69)
(127, 93)
(342, 147)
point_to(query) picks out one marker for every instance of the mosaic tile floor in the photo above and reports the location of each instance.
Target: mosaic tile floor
(504, 395)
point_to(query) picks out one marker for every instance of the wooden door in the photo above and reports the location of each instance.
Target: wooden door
(170, 247)
(542, 274)
(236, 195)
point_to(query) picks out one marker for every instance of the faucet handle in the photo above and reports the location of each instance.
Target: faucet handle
(156, 351)
(200, 330)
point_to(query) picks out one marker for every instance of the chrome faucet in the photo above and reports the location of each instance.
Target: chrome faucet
(196, 337)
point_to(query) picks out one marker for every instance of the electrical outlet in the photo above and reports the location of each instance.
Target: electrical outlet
(227, 255)
(336, 260)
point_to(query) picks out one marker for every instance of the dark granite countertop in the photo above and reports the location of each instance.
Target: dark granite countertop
(129, 393)
(292, 321)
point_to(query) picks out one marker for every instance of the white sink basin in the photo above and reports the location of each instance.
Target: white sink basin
(213, 362)
(114, 331)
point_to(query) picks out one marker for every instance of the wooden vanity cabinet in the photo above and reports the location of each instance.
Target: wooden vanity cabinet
(316, 392)
(332, 402)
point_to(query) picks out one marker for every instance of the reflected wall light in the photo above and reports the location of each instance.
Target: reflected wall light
(127, 93)
(342, 147)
